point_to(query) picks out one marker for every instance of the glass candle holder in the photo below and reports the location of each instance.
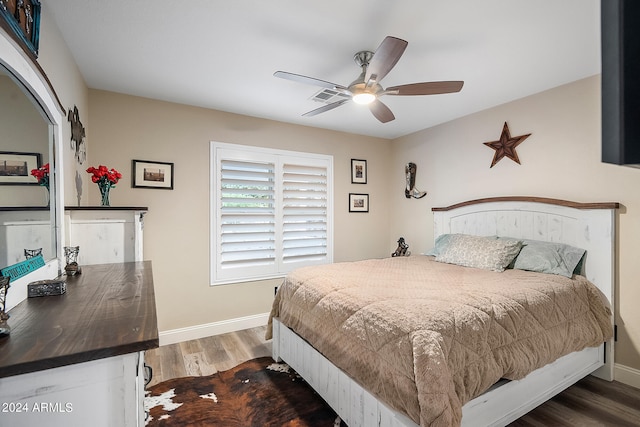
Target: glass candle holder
(31, 253)
(4, 287)
(71, 255)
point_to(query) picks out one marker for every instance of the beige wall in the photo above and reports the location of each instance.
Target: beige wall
(561, 159)
(177, 226)
(58, 63)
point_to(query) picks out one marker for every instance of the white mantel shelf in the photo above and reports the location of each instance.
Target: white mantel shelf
(106, 208)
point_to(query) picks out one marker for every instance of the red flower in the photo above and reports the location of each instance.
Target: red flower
(42, 175)
(104, 176)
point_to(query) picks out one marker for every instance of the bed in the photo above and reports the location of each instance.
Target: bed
(380, 364)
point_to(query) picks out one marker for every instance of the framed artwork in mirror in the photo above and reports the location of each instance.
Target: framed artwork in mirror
(15, 168)
(358, 202)
(358, 171)
(21, 18)
(150, 174)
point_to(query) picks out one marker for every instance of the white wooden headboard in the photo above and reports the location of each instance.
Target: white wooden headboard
(590, 226)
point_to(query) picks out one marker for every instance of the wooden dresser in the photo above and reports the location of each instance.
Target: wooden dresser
(78, 359)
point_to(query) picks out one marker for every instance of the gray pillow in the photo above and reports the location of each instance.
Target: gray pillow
(549, 257)
(487, 253)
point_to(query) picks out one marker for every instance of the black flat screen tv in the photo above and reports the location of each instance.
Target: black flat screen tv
(620, 38)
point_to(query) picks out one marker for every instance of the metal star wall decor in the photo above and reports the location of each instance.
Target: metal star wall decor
(506, 146)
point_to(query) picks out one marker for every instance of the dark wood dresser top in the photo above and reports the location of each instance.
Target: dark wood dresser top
(108, 310)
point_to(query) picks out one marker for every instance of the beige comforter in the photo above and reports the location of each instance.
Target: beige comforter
(427, 337)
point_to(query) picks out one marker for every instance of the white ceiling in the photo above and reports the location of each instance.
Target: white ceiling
(222, 54)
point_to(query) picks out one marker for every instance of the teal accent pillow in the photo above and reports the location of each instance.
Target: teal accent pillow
(441, 242)
(549, 257)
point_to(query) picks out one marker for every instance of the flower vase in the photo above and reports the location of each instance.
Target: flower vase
(47, 196)
(106, 180)
(104, 193)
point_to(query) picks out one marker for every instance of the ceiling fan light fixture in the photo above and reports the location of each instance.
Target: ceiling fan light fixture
(366, 89)
(364, 98)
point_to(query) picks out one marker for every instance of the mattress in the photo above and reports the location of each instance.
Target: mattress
(426, 337)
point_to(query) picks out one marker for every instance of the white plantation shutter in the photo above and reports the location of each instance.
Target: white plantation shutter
(271, 212)
(247, 214)
(304, 213)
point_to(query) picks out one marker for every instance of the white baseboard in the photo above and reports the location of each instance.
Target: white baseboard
(173, 336)
(627, 375)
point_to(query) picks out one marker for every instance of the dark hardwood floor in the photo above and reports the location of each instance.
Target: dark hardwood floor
(590, 402)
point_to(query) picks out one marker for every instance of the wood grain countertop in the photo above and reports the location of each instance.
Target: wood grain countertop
(108, 310)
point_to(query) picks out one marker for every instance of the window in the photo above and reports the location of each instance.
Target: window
(271, 212)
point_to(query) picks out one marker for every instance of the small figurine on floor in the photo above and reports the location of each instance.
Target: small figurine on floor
(402, 249)
(410, 189)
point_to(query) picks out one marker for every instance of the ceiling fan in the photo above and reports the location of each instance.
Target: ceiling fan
(366, 89)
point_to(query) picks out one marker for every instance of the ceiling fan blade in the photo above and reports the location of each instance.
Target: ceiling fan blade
(385, 58)
(381, 111)
(307, 80)
(425, 88)
(325, 108)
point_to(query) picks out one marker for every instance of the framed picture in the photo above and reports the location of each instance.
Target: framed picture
(149, 174)
(358, 171)
(15, 168)
(358, 202)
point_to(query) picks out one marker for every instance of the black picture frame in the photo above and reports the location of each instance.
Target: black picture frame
(152, 174)
(358, 202)
(16, 167)
(358, 171)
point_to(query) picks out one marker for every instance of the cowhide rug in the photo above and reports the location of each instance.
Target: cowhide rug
(256, 393)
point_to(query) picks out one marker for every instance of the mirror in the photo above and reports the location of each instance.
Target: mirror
(27, 211)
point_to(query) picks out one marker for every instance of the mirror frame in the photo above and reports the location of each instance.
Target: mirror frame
(32, 77)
